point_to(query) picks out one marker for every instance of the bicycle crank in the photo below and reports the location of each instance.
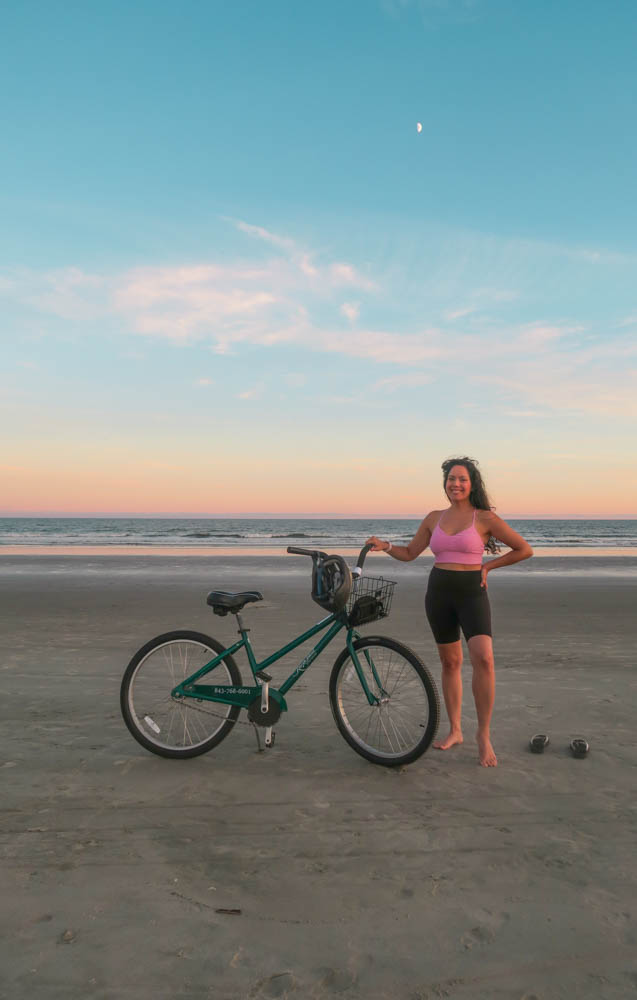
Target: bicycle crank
(265, 718)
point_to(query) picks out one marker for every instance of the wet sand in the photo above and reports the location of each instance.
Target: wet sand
(441, 879)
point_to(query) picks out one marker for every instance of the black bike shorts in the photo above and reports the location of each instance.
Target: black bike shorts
(455, 600)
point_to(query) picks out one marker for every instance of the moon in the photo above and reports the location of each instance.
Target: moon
(419, 127)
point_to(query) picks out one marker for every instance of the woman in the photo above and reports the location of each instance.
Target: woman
(457, 590)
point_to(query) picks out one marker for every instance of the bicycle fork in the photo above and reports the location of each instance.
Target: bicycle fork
(373, 699)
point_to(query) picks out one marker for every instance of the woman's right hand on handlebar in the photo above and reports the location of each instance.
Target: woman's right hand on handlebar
(377, 544)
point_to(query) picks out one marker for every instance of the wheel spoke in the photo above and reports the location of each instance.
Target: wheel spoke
(382, 725)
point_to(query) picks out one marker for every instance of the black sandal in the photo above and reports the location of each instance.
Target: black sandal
(538, 743)
(579, 747)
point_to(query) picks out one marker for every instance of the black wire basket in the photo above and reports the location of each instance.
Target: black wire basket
(369, 600)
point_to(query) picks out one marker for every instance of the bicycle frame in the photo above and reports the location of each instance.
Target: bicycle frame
(242, 696)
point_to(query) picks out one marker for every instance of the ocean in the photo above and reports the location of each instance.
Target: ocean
(323, 533)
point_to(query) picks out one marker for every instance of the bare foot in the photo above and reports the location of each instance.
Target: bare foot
(487, 753)
(455, 736)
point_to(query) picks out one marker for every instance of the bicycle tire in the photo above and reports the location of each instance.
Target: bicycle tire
(378, 733)
(150, 713)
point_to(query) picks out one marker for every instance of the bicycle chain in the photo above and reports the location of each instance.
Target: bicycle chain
(206, 711)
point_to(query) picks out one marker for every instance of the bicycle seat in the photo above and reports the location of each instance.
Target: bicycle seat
(222, 602)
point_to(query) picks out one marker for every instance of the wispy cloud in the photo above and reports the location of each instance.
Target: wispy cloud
(345, 274)
(294, 296)
(333, 274)
(187, 303)
(380, 345)
(460, 313)
(481, 298)
(253, 393)
(69, 293)
(557, 386)
(351, 311)
(282, 242)
(534, 336)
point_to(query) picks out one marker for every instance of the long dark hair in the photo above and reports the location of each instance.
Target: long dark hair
(478, 496)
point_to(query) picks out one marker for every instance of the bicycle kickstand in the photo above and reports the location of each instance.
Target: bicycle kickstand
(260, 749)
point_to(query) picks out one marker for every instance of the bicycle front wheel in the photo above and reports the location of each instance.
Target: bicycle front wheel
(403, 721)
(176, 727)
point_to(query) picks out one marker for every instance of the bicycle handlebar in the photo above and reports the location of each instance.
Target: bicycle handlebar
(296, 550)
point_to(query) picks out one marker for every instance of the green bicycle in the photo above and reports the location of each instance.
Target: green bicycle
(383, 698)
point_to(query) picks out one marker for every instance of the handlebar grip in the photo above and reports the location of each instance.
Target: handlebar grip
(295, 550)
(362, 554)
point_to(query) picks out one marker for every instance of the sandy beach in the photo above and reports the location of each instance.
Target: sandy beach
(441, 879)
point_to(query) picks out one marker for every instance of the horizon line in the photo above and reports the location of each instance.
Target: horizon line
(261, 515)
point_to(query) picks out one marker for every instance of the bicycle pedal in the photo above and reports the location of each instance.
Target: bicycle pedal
(263, 675)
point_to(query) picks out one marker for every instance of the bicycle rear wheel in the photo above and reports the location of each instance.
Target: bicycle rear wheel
(401, 725)
(176, 727)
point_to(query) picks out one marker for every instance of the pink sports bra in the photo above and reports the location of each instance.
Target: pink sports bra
(464, 547)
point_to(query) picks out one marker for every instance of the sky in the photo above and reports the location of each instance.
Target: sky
(235, 278)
